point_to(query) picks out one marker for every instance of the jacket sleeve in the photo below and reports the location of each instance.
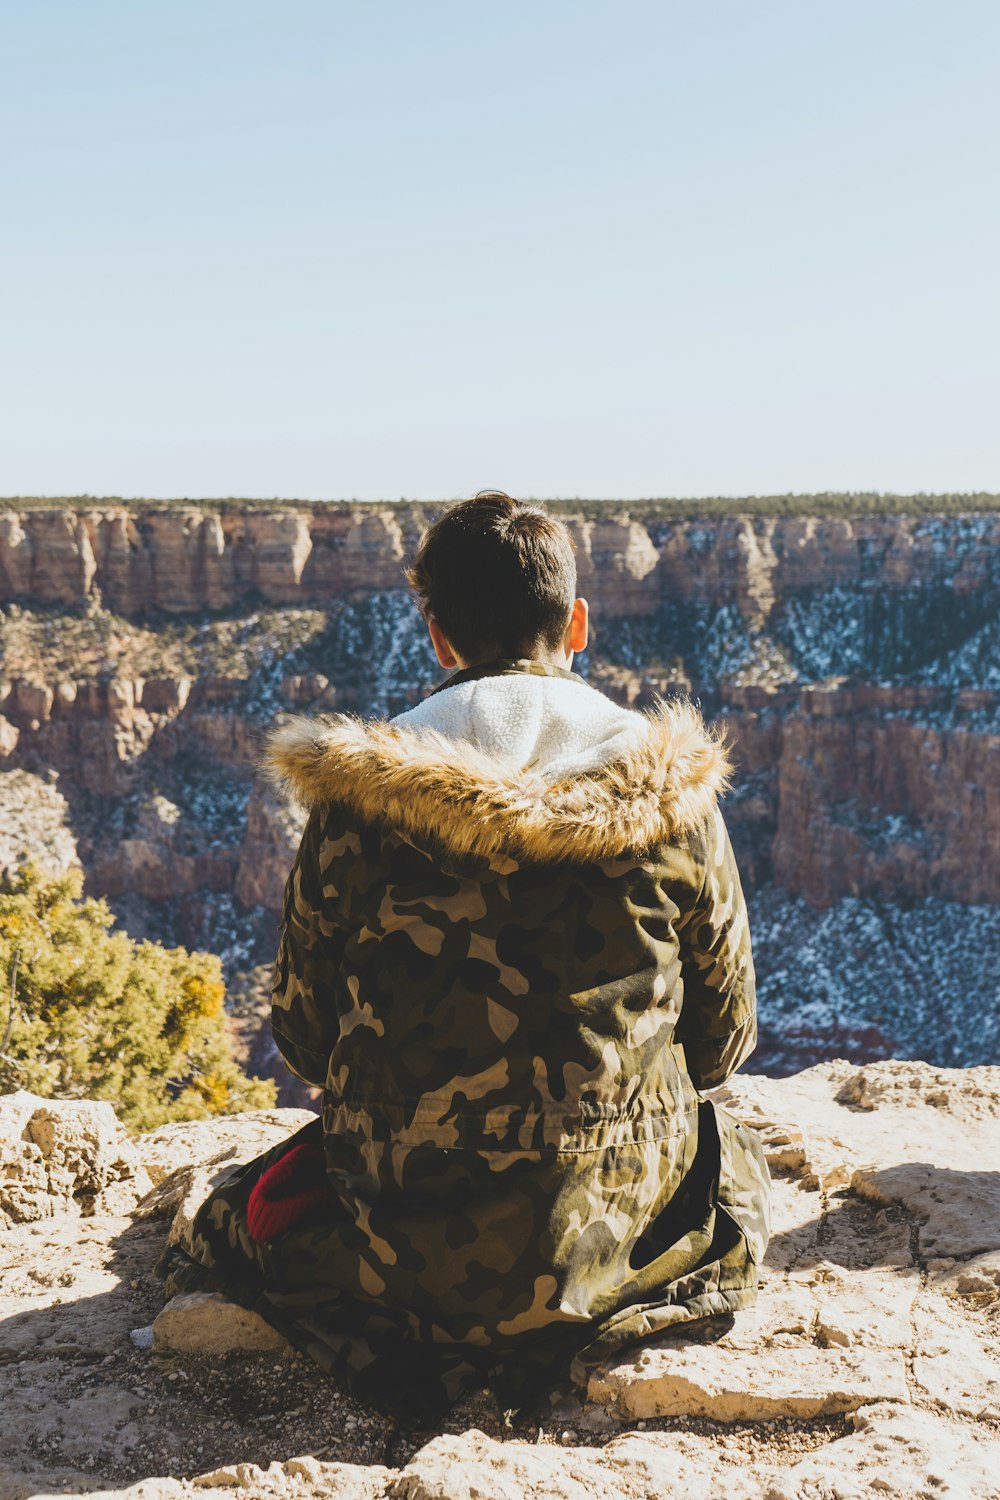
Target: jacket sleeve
(316, 922)
(718, 1022)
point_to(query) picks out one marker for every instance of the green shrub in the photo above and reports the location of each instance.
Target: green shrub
(96, 1015)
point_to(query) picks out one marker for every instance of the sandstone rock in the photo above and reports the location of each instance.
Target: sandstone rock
(62, 565)
(872, 1311)
(61, 1291)
(204, 1323)
(359, 547)
(281, 547)
(273, 831)
(181, 557)
(756, 589)
(936, 1173)
(25, 1190)
(34, 823)
(956, 1363)
(166, 856)
(474, 1466)
(64, 1156)
(82, 1139)
(617, 565)
(960, 1208)
(187, 562)
(180, 1195)
(217, 689)
(891, 1453)
(165, 695)
(304, 688)
(882, 802)
(30, 701)
(15, 556)
(979, 1277)
(896, 1454)
(119, 697)
(147, 863)
(9, 736)
(910, 1085)
(343, 1481)
(212, 1156)
(225, 738)
(729, 1385)
(234, 1138)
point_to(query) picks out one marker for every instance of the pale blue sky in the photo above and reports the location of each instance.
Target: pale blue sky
(608, 249)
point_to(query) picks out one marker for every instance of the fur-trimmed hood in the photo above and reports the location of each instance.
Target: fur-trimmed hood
(660, 779)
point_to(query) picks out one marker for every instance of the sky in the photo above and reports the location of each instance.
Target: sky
(602, 248)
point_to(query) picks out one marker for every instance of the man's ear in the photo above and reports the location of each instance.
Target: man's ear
(579, 625)
(445, 655)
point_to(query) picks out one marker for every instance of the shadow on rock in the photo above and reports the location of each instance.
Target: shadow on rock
(83, 1405)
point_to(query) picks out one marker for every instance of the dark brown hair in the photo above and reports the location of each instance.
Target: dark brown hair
(499, 577)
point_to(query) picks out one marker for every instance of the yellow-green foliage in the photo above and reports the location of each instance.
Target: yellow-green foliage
(99, 1016)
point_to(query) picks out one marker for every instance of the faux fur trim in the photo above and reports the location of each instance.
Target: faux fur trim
(421, 784)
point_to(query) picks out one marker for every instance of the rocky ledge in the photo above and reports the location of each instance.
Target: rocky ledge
(870, 1364)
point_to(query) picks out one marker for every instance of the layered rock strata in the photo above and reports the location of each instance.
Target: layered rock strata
(179, 558)
(861, 791)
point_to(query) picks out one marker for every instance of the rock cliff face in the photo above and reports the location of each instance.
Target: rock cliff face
(858, 791)
(855, 660)
(870, 1364)
(181, 559)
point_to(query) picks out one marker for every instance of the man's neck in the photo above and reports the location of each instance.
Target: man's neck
(563, 660)
(508, 667)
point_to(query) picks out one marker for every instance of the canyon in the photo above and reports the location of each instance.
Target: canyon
(855, 659)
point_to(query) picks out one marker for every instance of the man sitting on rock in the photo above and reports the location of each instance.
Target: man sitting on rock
(515, 950)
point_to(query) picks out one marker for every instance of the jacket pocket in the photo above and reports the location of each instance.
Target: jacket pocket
(744, 1182)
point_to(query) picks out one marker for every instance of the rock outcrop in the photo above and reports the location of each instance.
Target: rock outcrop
(860, 792)
(871, 1363)
(71, 1158)
(34, 823)
(179, 558)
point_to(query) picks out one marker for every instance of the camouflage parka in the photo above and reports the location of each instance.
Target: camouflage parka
(515, 951)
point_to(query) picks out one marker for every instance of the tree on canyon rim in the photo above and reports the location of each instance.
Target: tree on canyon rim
(95, 1015)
